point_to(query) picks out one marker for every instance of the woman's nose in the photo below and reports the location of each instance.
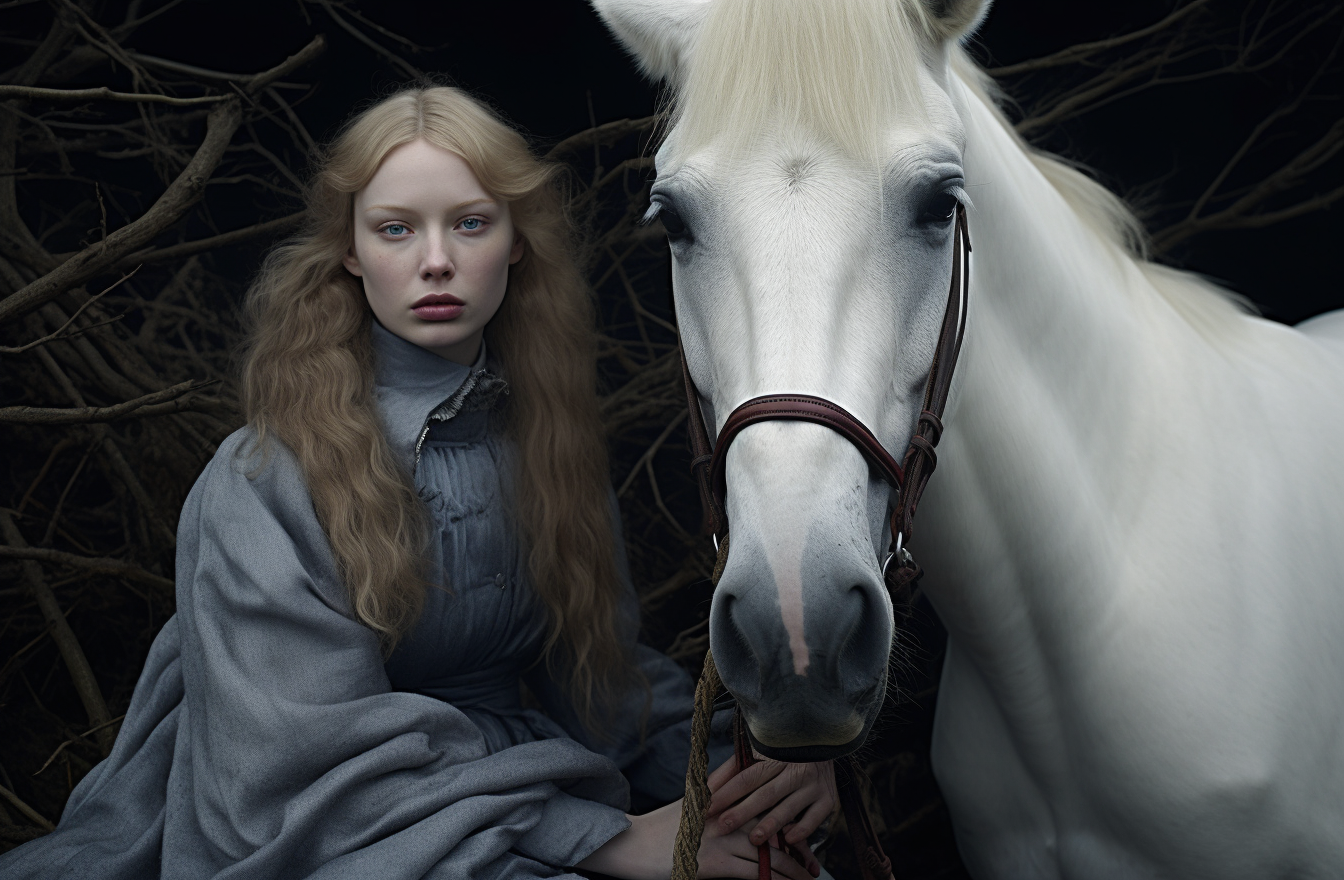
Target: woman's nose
(438, 263)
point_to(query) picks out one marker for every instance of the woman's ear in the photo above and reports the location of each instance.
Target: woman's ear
(956, 19)
(351, 263)
(518, 244)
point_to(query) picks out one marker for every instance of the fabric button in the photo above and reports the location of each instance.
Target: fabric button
(499, 580)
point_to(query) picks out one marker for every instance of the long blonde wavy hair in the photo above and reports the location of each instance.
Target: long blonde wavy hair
(308, 374)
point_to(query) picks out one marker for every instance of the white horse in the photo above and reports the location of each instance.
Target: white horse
(1135, 536)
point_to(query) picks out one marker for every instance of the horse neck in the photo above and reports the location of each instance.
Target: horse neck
(1047, 409)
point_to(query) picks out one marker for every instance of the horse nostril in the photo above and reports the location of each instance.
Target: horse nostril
(733, 654)
(868, 642)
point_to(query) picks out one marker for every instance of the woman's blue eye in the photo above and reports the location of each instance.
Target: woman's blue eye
(395, 229)
(471, 223)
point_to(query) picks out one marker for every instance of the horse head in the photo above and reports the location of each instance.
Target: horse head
(808, 183)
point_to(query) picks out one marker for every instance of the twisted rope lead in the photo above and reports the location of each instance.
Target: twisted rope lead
(873, 862)
(685, 864)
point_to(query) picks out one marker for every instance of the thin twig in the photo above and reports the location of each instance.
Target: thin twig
(60, 501)
(316, 46)
(309, 146)
(651, 452)
(68, 742)
(397, 61)
(102, 93)
(204, 72)
(56, 334)
(64, 444)
(658, 499)
(169, 400)
(391, 35)
(181, 194)
(100, 564)
(33, 815)
(1081, 51)
(224, 239)
(86, 685)
(605, 135)
(118, 461)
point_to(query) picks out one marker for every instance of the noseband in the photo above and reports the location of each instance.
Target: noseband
(908, 479)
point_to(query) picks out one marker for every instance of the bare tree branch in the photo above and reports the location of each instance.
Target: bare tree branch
(69, 742)
(184, 192)
(200, 72)
(1244, 212)
(604, 135)
(397, 61)
(181, 194)
(101, 565)
(120, 467)
(1082, 51)
(262, 80)
(33, 815)
(202, 245)
(80, 671)
(57, 333)
(30, 93)
(165, 402)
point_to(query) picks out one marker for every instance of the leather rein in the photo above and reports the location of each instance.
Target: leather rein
(908, 479)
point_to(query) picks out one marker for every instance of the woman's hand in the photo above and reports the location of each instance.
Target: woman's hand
(731, 853)
(794, 798)
(644, 852)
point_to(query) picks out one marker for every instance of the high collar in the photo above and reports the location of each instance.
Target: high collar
(409, 383)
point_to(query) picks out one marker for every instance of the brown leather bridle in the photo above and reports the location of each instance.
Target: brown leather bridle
(908, 478)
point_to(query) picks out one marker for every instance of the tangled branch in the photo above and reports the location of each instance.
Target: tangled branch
(1183, 48)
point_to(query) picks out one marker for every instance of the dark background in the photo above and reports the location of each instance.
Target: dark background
(552, 67)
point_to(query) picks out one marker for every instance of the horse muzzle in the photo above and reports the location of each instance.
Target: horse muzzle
(802, 642)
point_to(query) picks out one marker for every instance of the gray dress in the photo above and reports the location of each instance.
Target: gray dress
(267, 738)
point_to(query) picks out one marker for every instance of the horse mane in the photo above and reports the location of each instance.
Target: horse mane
(1214, 311)
(839, 68)
(843, 69)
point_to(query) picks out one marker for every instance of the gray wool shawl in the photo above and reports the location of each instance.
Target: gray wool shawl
(267, 738)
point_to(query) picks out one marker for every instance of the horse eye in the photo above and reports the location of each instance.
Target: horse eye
(939, 209)
(672, 223)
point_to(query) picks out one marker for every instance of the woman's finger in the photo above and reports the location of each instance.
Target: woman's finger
(722, 773)
(755, 804)
(728, 855)
(782, 814)
(804, 778)
(732, 854)
(808, 822)
(745, 783)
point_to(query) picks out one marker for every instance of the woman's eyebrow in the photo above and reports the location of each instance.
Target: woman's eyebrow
(459, 206)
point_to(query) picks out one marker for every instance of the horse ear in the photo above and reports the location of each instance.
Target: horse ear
(658, 33)
(955, 19)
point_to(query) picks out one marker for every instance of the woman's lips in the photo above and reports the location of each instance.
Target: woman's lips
(436, 312)
(438, 307)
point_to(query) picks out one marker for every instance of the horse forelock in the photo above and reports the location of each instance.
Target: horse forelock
(844, 69)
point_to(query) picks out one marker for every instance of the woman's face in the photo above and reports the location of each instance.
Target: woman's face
(434, 250)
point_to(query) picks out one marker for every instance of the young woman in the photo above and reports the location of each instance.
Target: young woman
(415, 520)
